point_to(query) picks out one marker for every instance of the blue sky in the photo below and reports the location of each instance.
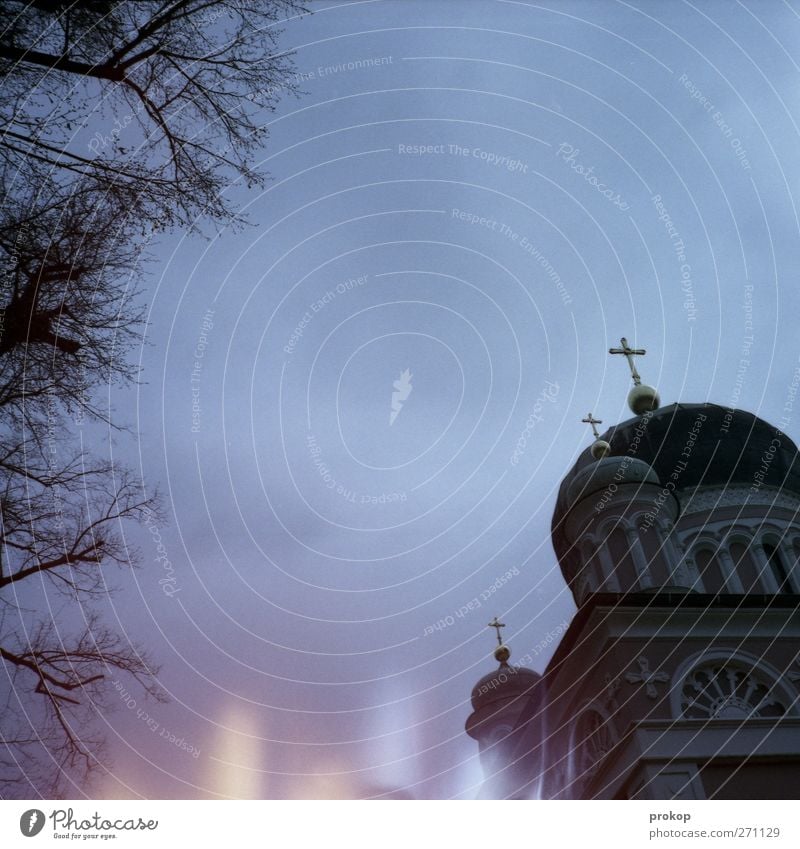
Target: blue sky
(488, 195)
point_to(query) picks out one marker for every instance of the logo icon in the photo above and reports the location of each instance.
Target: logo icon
(31, 822)
(402, 388)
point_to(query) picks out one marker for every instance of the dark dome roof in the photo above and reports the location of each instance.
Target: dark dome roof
(505, 682)
(729, 450)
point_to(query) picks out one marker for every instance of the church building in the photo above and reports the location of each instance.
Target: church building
(678, 534)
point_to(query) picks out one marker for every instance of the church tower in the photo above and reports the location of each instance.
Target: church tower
(498, 700)
(678, 533)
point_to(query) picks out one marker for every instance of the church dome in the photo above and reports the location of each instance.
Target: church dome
(707, 445)
(598, 475)
(505, 682)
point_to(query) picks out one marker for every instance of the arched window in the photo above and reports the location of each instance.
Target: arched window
(796, 549)
(708, 566)
(745, 568)
(777, 565)
(592, 567)
(729, 688)
(621, 556)
(592, 739)
(657, 566)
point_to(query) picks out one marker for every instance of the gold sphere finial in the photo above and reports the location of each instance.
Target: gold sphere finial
(502, 654)
(643, 399)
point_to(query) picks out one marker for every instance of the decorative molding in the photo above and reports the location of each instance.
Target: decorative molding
(729, 690)
(611, 690)
(717, 497)
(592, 739)
(647, 677)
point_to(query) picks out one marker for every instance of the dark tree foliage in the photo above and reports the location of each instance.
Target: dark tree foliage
(120, 120)
(71, 302)
(159, 101)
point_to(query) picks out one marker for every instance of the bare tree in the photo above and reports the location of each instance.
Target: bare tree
(70, 302)
(120, 119)
(51, 748)
(60, 527)
(163, 101)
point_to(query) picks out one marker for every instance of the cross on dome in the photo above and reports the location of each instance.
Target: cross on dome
(497, 626)
(629, 353)
(591, 420)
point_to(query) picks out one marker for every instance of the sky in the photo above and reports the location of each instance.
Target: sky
(358, 408)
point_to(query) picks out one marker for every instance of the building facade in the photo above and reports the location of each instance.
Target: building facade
(679, 675)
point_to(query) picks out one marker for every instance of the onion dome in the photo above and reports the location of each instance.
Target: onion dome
(504, 683)
(616, 470)
(705, 444)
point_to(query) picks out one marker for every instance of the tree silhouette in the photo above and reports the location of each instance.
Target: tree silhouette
(121, 119)
(176, 92)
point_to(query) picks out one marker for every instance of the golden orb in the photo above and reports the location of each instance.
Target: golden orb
(502, 654)
(643, 399)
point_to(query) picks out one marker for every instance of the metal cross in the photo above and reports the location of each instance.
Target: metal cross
(590, 419)
(498, 625)
(629, 354)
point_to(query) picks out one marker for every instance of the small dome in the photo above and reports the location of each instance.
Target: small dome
(505, 682)
(729, 450)
(616, 470)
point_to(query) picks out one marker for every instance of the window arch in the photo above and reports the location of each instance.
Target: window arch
(624, 565)
(592, 566)
(723, 685)
(592, 739)
(652, 536)
(796, 549)
(745, 566)
(776, 563)
(709, 568)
